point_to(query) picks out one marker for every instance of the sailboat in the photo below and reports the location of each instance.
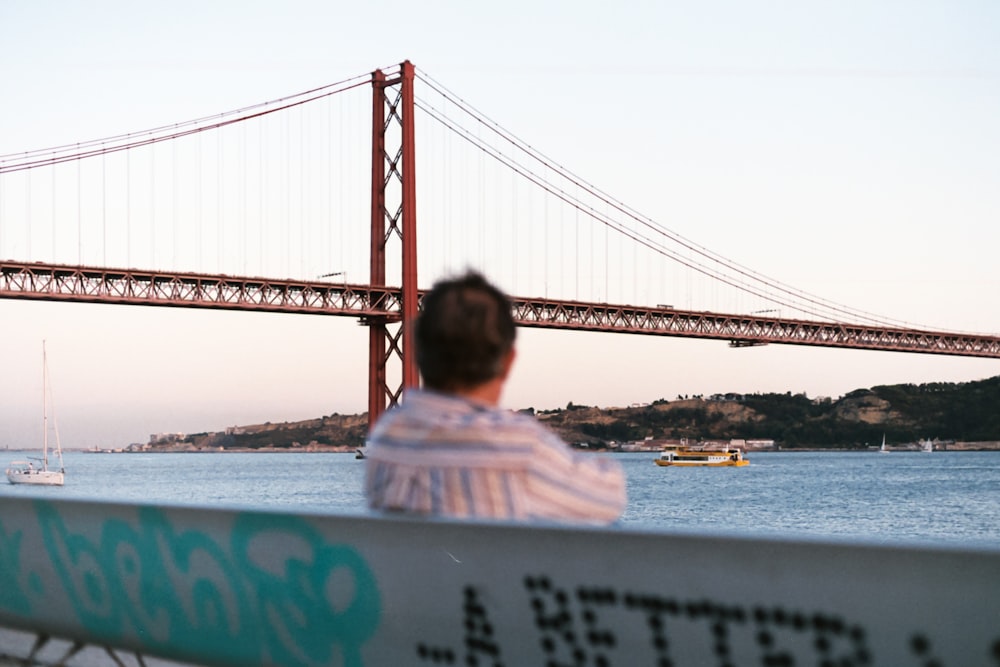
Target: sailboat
(882, 449)
(25, 472)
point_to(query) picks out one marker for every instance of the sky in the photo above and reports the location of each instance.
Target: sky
(847, 148)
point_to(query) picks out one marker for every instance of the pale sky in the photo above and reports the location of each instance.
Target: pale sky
(847, 148)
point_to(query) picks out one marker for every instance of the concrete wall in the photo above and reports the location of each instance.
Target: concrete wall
(240, 587)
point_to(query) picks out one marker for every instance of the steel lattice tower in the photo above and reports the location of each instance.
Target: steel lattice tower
(393, 217)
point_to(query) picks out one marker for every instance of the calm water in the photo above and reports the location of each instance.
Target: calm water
(943, 497)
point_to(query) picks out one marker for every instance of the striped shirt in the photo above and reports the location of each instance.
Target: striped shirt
(438, 454)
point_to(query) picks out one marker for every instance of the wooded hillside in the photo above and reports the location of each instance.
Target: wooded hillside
(967, 411)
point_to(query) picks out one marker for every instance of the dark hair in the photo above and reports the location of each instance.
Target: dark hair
(463, 333)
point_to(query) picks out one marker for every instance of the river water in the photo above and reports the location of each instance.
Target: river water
(902, 497)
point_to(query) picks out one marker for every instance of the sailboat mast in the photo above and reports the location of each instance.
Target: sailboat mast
(45, 411)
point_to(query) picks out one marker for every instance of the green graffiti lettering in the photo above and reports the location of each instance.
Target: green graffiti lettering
(12, 597)
(280, 594)
(306, 611)
(78, 564)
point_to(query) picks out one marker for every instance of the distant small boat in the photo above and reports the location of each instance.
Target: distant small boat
(684, 457)
(358, 454)
(926, 445)
(882, 449)
(25, 472)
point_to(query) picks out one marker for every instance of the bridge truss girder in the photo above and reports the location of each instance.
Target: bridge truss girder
(56, 282)
(384, 303)
(747, 330)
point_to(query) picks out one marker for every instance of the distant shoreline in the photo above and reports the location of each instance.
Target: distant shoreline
(952, 447)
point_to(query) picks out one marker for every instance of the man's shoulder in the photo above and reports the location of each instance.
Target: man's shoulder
(482, 428)
(488, 424)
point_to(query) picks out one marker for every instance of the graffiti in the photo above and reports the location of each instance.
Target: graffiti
(481, 647)
(269, 589)
(243, 588)
(12, 597)
(577, 629)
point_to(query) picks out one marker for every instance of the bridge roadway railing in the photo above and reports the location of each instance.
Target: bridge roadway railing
(747, 330)
(242, 586)
(192, 290)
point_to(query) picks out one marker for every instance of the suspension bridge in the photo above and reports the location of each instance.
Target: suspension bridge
(273, 207)
(309, 204)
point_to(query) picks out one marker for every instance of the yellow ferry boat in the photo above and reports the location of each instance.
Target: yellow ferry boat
(680, 456)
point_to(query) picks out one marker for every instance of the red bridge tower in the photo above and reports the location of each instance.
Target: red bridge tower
(393, 217)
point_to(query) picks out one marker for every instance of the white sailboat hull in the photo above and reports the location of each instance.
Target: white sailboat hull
(38, 477)
(25, 472)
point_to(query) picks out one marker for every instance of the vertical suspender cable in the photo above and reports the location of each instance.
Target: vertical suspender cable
(242, 223)
(576, 253)
(287, 201)
(301, 197)
(152, 206)
(173, 206)
(325, 217)
(261, 214)
(565, 260)
(27, 216)
(104, 207)
(219, 208)
(3, 207)
(451, 231)
(128, 208)
(79, 215)
(635, 272)
(53, 210)
(514, 218)
(562, 250)
(607, 282)
(543, 265)
(339, 237)
(199, 186)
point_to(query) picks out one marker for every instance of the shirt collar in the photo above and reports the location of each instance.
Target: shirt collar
(423, 397)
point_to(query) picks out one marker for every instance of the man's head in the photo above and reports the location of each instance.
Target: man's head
(464, 334)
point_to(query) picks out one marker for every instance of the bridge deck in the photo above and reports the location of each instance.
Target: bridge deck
(381, 303)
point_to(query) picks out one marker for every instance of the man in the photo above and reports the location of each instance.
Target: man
(448, 450)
